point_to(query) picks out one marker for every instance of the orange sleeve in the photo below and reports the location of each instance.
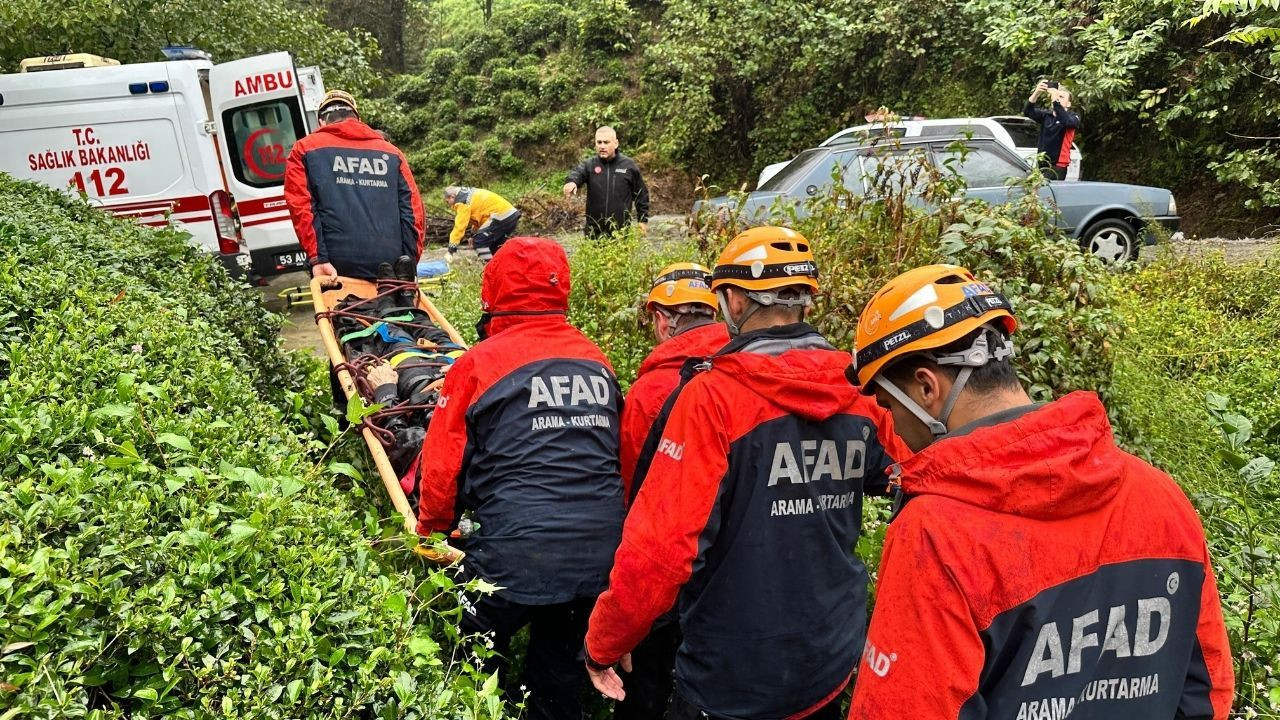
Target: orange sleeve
(297, 195)
(638, 413)
(661, 533)
(924, 655)
(444, 451)
(413, 217)
(1210, 684)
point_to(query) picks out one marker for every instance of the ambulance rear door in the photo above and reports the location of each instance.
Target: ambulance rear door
(259, 113)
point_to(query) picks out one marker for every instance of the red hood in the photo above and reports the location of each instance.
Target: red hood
(351, 129)
(809, 383)
(697, 342)
(1056, 461)
(529, 274)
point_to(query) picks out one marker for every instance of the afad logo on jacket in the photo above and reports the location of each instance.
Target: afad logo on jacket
(575, 391)
(350, 165)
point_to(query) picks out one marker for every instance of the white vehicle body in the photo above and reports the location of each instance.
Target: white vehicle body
(186, 143)
(1016, 132)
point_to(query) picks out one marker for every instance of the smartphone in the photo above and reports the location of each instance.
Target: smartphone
(1051, 84)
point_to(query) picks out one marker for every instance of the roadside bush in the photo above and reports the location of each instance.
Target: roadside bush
(169, 545)
(1196, 372)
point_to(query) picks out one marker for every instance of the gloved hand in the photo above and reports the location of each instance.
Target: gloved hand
(453, 249)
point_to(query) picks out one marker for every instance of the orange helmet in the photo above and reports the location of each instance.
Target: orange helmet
(338, 97)
(765, 258)
(924, 309)
(682, 284)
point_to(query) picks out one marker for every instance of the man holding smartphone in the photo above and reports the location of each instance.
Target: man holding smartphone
(1058, 127)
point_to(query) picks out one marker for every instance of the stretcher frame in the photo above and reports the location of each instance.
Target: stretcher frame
(326, 293)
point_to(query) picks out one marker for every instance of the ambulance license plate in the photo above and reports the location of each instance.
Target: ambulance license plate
(295, 259)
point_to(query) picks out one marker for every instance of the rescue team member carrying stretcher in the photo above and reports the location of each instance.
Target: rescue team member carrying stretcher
(351, 196)
(748, 515)
(525, 438)
(682, 309)
(1036, 569)
(492, 216)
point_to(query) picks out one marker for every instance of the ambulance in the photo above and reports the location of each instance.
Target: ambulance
(183, 142)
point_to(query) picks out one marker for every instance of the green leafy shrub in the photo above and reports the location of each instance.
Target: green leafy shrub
(605, 93)
(515, 78)
(169, 546)
(473, 87)
(517, 103)
(416, 91)
(440, 65)
(481, 117)
(556, 91)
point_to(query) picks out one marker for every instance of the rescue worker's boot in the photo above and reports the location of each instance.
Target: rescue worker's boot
(386, 285)
(406, 272)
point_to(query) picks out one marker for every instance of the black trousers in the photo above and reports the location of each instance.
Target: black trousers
(489, 239)
(554, 673)
(651, 679)
(682, 709)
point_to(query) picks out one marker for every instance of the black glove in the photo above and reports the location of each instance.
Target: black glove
(453, 249)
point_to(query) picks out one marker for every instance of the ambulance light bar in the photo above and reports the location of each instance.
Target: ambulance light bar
(65, 62)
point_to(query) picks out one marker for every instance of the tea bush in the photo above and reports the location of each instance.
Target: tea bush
(1197, 372)
(170, 544)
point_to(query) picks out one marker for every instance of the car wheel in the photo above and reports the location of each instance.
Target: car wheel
(1115, 242)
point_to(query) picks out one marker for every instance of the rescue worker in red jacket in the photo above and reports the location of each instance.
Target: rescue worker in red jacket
(751, 508)
(351, 195)
(1035, 569)
(525, 439)
(682, 310)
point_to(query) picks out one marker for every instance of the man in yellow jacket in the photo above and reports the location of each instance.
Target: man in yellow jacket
(492, 216)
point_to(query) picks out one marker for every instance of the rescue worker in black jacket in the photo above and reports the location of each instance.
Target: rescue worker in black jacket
(525, 438)
(613, 185)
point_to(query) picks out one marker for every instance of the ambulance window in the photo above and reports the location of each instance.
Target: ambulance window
(259, 138)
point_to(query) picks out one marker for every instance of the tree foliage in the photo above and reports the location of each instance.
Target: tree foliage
(135, 30)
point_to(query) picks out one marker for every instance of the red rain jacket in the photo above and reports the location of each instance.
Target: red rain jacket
(1038, 570)
(658, 376)
(746, 522)
(352, 199)
(525, 436)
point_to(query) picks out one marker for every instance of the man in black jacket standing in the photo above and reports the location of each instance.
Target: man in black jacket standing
(613, 185)
(1057, 128)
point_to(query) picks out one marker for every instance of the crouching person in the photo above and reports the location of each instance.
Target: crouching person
(1035, 570)
(525, 439)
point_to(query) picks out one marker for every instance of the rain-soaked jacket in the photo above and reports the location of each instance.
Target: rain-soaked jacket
(658, 376)
(352, 199)
(747, 522)
(1038, 570)
(525, 436)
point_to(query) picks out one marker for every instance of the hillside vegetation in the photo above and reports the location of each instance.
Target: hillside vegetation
(1176, 93)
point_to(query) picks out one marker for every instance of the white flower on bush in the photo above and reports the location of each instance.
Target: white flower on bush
(137, 348)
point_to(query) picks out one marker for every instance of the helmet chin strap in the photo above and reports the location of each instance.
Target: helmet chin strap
(978, 354)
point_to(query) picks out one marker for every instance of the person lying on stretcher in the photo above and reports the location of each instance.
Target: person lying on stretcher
(398, 356)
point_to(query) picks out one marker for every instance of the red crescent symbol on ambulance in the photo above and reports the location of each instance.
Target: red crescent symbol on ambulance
(246, 152)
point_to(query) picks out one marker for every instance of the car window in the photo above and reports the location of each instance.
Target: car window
(980, 167)
(891, 170)
(1025, 133)
(978, 131)
(796, 169)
